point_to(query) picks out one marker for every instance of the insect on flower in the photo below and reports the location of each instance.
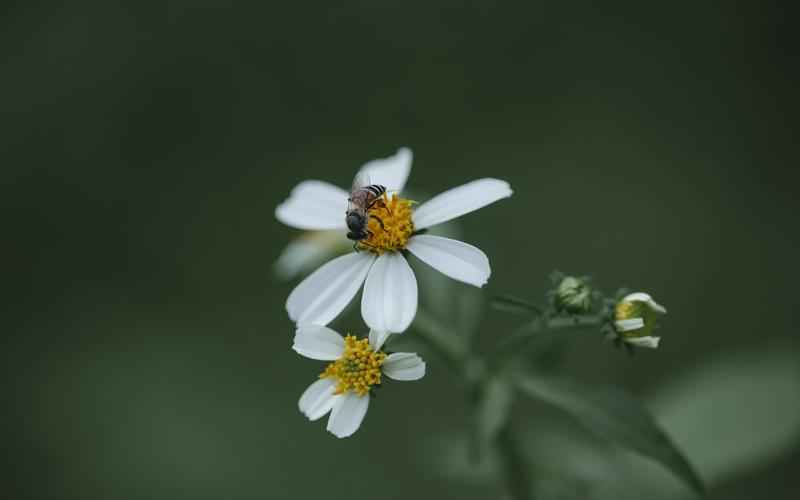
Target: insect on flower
(390, 229)
(363, 196)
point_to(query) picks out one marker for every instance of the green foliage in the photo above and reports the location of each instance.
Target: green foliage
(735, 411)
(613, 415)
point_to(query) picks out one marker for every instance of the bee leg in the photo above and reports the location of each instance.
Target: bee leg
(362, 242)
(376, 200)
(372, 216)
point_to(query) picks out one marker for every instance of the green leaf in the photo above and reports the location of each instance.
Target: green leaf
(614, 415)
(515, 305)
(736, 411)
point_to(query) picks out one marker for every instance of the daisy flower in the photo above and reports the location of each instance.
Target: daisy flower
(323, 239)
(344, 387)
(635, 319)
(395, 228)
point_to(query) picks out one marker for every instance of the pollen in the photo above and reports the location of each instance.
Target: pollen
(358, 369)
(390, 225)
(626, 310)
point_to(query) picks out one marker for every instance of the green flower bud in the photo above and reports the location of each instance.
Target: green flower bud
(573, 295)
(635, 319)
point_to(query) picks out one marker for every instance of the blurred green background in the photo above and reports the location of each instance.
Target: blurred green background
(145, 146)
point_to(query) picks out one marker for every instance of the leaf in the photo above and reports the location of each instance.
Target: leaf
(736, 411)
(614, 415)
(515, 305)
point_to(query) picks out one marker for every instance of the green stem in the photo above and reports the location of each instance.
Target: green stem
(515, 468)
(455, 351)
(519, 340)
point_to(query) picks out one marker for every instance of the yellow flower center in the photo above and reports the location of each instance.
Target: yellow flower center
(626, 310)
(390, 225)
(358, 369)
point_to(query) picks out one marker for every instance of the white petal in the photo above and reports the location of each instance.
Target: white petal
(297, 256)
(647, 299)
(657, 307)
(391, 172)
(306, 252)
(318, 342)
(459, 201)
(326, 292)
(377, 339)
(626, 325)
(404, 366)
(389, 301)
(651, 342)
(637, 297)
(453, 258)
(314, 205)
(318, 399)
(348, 412)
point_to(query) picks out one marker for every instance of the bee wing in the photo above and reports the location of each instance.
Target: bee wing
(361, 180)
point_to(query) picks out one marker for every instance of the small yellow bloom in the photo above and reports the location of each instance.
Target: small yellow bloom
(635, 319)
(356, 370)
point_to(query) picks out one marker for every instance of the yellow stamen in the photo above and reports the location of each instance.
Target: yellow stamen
(358, 369)
(392, 235)
(626, 310)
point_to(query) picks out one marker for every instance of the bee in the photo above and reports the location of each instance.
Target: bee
(363, 196)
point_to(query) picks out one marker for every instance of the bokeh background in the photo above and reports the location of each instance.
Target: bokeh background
(145, 146)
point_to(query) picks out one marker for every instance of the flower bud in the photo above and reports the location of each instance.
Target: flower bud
(573, 295)
(635, 319)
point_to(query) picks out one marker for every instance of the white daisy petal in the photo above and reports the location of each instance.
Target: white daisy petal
(298, 255)
(377, 339)
(657, 307)
(651, 342)
(647, 299)
(389, 301)
(348, 412)
(626, 325)
(391, 172)
(459, 201)
(637, 297)
(318, 399)
(318, 342)
(326, 292)
(453, 258)
(308, 251)
(404, 366)
(314, 205)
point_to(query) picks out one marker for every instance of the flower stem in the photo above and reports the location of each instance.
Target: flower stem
(519, 340)
(515, 468)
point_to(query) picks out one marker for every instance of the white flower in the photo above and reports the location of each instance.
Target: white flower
(357, 367)
(635, 319)
(389, 301)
